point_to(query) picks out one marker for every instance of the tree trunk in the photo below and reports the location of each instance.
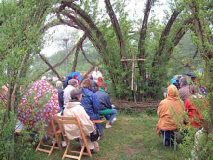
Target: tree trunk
(164, 35)
(141, 44)
(75, 61)
(19, 75)
(118, 32)
(79, 45)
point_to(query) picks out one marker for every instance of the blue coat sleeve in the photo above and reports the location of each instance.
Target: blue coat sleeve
(95, 102)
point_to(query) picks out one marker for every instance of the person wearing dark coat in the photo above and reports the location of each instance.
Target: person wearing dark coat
(105, 107)
(90, 102)
(59, 86)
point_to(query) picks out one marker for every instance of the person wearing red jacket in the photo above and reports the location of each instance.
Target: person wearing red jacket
(191, 106)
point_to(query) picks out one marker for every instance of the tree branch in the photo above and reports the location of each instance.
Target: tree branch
(166, 32)
(19, 75)
(141, 43)
(116, 27)
(141, 47)
(164, 35)
(179, 35)
(89, 21)
(188, 64)
(63, 60)
(196, 53)
(79, 45)
(51, 67)
(86, 57)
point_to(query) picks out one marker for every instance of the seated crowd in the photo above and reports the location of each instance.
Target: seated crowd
(90, 102)
(171, 110)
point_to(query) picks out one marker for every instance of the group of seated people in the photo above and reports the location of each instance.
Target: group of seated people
(171, 110)
(86, 103)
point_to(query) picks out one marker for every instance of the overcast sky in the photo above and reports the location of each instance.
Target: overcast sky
(55, 35)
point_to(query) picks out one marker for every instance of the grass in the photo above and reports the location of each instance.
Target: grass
(133, 136)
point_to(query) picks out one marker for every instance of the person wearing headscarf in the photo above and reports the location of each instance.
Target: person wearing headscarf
(170, 112)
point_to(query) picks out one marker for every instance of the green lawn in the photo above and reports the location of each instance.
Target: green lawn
(131, 137)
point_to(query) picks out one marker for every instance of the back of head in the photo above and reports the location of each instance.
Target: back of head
(103, 86)
(75, 93)
(172, 92)
(193, 89)
(87, 83)
(72, 82)
(183, 81)
(59, 84)
(173, 81)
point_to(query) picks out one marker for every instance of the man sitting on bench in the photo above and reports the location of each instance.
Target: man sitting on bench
(105, 107)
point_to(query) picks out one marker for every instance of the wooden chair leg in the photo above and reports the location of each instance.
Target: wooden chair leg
(58, 141)
(87, 147)
(51, 150)
(81, 152)
(67, 148)
(39, 144)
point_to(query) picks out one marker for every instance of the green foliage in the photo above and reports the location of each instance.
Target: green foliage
(150, 111)
(131, 137)
(20, 39)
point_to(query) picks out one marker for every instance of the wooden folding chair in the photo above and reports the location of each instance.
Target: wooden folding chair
(56, 140)
(74, 120)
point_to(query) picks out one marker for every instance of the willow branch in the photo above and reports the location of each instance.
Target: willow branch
(50, 66)
(79, 45)
(82, 50)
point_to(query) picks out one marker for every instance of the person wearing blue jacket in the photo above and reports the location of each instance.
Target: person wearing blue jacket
(90, 102)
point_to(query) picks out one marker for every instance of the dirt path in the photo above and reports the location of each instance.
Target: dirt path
(122, 104)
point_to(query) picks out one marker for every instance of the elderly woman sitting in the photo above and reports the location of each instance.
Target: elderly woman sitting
(170, 113)
(74, 108)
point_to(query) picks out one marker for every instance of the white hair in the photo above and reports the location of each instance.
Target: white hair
(59, 84)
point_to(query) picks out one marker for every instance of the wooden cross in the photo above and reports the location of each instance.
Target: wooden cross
(133, 67)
